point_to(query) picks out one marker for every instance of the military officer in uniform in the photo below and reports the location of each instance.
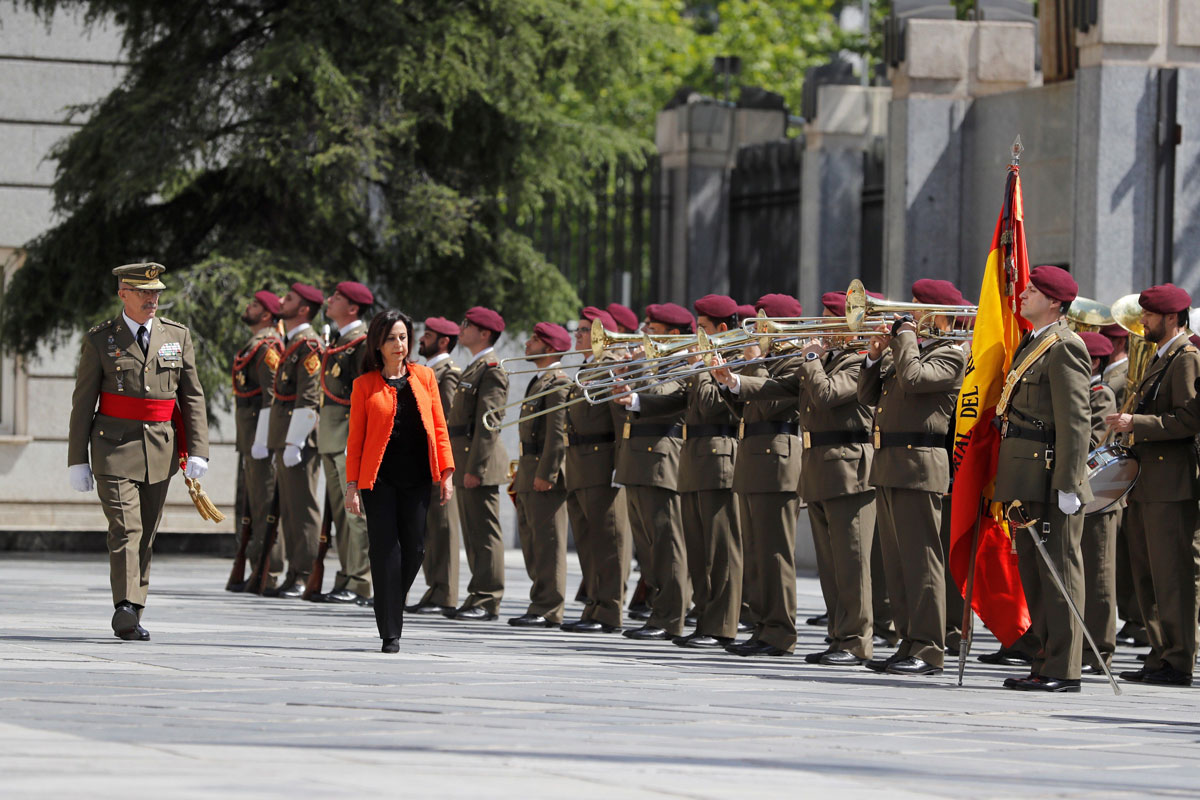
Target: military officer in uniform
(441, 527)
(288, 430)
(914, 394)
(541, 490)
(483, 463)
(136, 372)
(1162, 511)
(348, 307)
(1116, 374)
(623, 316)
(596, 507)
(253, 376)
(1045, 428)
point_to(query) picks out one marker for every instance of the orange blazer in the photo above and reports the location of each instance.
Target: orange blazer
(372, 413)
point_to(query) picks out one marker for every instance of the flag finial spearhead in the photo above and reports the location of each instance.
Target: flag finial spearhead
(1017, 149)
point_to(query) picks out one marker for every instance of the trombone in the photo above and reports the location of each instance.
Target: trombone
(660, 357)
(601, 340)
(860, 306)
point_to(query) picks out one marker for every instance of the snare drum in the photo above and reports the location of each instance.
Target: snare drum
(1112, 470)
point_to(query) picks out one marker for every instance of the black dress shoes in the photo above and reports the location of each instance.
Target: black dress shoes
(639, 611)
(1090, 669)
(755, 647)
(840, 658)
(690, 618)
(124, 618)
(428, 608)
(342, 596)
(589, 626)
(369, 602)
(271, 591)
(702, 641)
(531, 621)
(881, 641)
(1134, 676)
(1011, 683)
(1166, 675)
(390, 646)
(295, 590)
(821, 619)
(1043, 683)
(1132, 635)
(815, 658)
(237, 588)
(881, 664)
(647, 632)
(1007, 656)
(912, 666)
(138, 634)
(475, 614)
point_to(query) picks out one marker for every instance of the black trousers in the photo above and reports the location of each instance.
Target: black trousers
(396, 534)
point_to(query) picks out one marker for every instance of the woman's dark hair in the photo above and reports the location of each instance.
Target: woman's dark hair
(381, 326)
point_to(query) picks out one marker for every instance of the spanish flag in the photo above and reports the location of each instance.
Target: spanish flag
(997, 595)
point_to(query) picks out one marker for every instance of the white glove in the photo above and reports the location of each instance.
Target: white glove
(1068, 503)
(300, 426)
(196, 467)
(81, 477)
(258, 450)
(291, 455)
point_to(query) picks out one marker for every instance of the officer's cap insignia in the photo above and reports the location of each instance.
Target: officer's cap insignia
(142, 276)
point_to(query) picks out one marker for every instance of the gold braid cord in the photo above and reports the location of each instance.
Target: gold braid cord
(204, 504)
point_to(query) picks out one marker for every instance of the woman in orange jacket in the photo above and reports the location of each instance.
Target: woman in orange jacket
(397, 450)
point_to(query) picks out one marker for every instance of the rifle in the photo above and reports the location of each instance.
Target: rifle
(312, 589)
(258, 579)
(237, 575)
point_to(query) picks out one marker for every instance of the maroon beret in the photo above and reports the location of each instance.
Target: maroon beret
(485, 318)
(1098, 345)
(1166, 298)
(442, 326)
(876, 295)
(671, 315)
(591, 313)
(746, 312)
(355, 292)
(309, 293)
(556, 336)
(268, 300)
(779, 305)
(624, 316)
(1054, 282)
(835, 302)
(1115, 331)
(1194, 339)
(937, 292)
(715, 306)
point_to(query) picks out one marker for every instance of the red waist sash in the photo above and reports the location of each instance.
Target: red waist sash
(144, 409)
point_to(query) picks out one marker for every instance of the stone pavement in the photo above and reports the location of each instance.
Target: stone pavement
(241, 696)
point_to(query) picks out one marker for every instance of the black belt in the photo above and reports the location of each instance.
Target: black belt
(530, 447)
(825, 438)
(575, 439)
(646, 429)
(910, 440)
(701, 431)
(771, 428)
(459, 430)
(1010, 430)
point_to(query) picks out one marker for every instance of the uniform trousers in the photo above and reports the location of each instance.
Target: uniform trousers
(714, 559)
(396, 531)
(657, 513)
(441, 556)
(910, 522)
(1058, 637)
(1164, 548)
(133, 510)
(259, 477)
(881, 606)
(351, 540)
(842, 528)
(750, 578)
(769, 524)
(825, 577)
(542, 527)
(1127, 602)
(643, 550)
(600, 521)
(299, 513)
(479, 513)
(954, 597)
(1099, 546)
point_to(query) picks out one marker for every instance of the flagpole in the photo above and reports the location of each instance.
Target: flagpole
(968, 620)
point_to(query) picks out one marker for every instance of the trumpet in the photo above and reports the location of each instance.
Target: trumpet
(660, 357)
(773, 329)
(601, 340)
(860, 306)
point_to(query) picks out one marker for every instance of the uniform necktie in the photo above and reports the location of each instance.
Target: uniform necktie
(143, 339)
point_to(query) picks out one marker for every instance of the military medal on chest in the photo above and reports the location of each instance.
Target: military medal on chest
(337, 369)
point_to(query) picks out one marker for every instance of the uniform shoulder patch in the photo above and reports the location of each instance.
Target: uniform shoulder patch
(272, 358)
(1188, 348)
(312, 363)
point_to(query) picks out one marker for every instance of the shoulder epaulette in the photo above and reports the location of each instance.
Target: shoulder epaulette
(100, 327)
(166, 321)
(1188, 348)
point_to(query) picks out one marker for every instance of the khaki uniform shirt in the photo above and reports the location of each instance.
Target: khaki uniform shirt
(297, 385)
(543, 439)
(591, 462)
(478, 451)
(1164, 424)
(110, 360)
(1118, 380)
(1103, 402)
(253, 376)
(340, 365)
(767, 462)
(705, 461)
(652, 460)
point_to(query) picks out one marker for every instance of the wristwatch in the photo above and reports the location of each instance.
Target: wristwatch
(810, 356)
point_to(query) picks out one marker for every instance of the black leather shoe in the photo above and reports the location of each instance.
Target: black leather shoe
(390, 646)
(474, 613)
(1167, 675)
(295, 590)
(138, 634)
(342, 596)
(271, 591)
(1011, 683)
(1043, 683)
(1006, 656)
(912, 666)
(368, 602)
(237, 588)
(840, 658)
(755, 647)
(821, 619)
(881, 641)
(815, 658)
(647, 632)
(881, 664)
(428, 608)
(641, 611)
(531, 621)
(124, 618)
(702, 641)
(744, 627)
(1134, 676)
(589, 626)
(1132, 635)
(1090, 669)
(690, 618)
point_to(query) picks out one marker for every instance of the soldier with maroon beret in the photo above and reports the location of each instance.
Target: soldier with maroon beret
(627, 321)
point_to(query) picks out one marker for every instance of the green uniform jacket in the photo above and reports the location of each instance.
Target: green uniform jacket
(767, 462)
(1163, 427)
(543, 439)
(341, 364)
(478, 451)
(448, 375)
(297, 385)
(914, 392)
(591, 463)
(652, 460)
(705, 461)
(1053, 391)
(253, 376)
(111, 361)
(1103, 402)
(1118, 380)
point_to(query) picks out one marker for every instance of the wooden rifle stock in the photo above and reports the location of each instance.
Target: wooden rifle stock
(312, 589)
(237, 575)
(258, 580)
